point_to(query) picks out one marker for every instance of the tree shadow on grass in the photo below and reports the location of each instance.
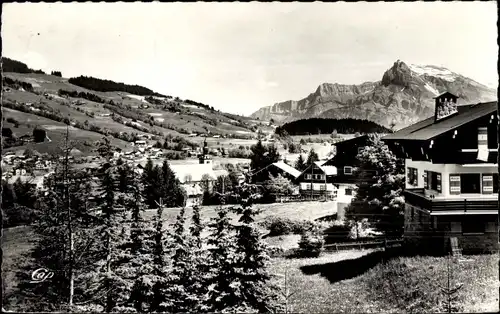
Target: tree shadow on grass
(347, 269)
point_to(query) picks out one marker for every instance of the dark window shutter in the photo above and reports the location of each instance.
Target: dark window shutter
(438, 185)
(487, 183)
(454, 184)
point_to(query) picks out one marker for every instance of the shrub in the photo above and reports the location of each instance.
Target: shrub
(311, 243)
(282, 226)
(18, 215)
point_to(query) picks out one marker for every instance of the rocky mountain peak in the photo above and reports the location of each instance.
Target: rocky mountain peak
(399, 74)
(405, 94)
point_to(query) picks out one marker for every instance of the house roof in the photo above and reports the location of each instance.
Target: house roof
(352, 140)
(193, 189)
(287, 168)
(283, 166)
(429, 128)
(327, 170)
(196, 171)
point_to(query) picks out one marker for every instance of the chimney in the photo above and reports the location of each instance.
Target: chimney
(445, 106)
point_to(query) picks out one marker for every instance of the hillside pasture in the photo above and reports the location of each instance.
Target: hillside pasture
(56, 131)
(358, 282)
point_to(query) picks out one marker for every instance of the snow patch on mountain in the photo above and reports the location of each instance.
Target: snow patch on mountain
(431, 89)
(435, 71)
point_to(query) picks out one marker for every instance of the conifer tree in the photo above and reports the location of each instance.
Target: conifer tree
(63, 246)
(106, 281)
(170, 187)
(224, 289)
(152, 184)
(251, 261)
(300, 164)
(312, 157)
(157, 303)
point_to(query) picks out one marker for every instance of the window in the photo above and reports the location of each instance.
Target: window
(308, 176)
(348, 170)
(319, 177)
(348, 191)
(473, 224)
(412, 176)
(432, 181)
(470, 183)
(322, 187)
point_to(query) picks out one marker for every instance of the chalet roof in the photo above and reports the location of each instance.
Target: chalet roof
(327, 170)
(193, 189)
(287, 168)
(429, 128)
(352, 140)
(195, 171)
(283, 166)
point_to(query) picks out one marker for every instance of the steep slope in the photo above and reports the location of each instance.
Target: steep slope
(36, 99)
(403, 96)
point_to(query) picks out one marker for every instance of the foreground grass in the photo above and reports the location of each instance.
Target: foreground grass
(359, 282)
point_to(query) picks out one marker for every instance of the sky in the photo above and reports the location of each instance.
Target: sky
(239, 57)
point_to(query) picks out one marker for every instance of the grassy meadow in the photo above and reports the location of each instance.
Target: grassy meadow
(356, 281)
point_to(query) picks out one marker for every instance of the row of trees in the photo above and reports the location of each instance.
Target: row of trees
(100, 85)
(10, 65)
(327, 126)
(106, 256)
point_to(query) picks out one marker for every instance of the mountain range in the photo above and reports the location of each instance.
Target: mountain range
(402, 97)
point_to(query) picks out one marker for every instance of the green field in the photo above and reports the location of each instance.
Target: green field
(191, 120)
(350, 281)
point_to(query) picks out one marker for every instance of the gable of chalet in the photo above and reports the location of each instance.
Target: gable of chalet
(467, 136)
(346, 152)
(317, 169)
(279, 167)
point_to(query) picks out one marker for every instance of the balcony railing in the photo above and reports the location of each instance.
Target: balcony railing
(416, 197)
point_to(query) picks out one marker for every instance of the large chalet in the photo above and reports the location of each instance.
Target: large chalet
(337, 177)
(451, 167)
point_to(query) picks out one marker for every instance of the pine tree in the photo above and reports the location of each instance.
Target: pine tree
(312, 157)
(300, 164)
(170, 187)
(251, 252)
(107, 282)
(224, 291)
(379, 195)
(65, 243)
(152, 184)
(182, 279)
(159, 253)
(200, 286)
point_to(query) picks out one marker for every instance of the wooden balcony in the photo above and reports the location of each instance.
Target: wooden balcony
(416, 197)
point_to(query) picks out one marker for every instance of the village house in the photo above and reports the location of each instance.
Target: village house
(451, 177)
(316, 180)
(348, 174)
(274, 169)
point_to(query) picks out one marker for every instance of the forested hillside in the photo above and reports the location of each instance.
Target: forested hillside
(327, 126)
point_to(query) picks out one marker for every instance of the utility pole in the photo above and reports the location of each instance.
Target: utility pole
(312, 175)
(70, 227)
(325, 186)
